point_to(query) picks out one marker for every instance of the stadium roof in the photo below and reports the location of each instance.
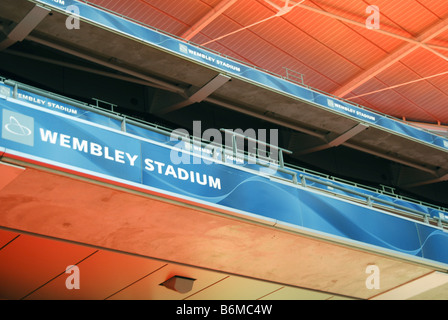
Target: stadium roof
(399, 69)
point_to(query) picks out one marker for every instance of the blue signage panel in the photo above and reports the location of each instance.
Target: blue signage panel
(361, 223)
(346, 108)
(58, 106)
(212, 182)
(70, 143)
(434, 242)
(74, 143)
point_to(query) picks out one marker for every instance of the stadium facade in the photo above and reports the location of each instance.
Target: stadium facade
(135, 164)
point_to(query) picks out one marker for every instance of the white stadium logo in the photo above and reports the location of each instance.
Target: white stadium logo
(16, 128)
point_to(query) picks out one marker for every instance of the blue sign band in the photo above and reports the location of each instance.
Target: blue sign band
(67, 142)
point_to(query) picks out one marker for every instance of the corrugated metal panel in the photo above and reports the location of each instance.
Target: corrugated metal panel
(437, 7)
(410, 16)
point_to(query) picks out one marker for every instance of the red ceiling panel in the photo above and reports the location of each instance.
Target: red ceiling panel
(437, 7)
(34, 261)
(390, 102)
(7, 237)
(356, 11)
(409, 16)
(425, 63)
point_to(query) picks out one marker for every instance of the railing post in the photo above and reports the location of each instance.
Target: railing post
(234, 146)
(303, 180)
(294, 178)
(15, 91)
(280, 158)
(123, 124)
(439, 222)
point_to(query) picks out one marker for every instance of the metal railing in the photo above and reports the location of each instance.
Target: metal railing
(294, 76)
(370, 200)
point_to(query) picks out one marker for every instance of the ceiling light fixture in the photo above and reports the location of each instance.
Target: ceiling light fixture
(179, 284)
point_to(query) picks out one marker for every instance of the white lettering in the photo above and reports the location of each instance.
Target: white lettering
(213, 60)
(64, 141)
(93, 148)
(214, 183)
(170, 171)
(198, 179)
(204, 311)
(182, 174)
(149, 165)
(61, 108)
(119, 156)
(96, 149)
(22, 96)
(131, 158)
(159, 166)
(48, 135)
(83, 146)
(106, 154)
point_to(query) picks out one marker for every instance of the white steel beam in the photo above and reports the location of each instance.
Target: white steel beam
(410, 46)
(24, 27)
(392, 58)
(207, 19)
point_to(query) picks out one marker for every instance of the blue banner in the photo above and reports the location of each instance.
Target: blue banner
(81, 146)
(58, 106)
(63, 141)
